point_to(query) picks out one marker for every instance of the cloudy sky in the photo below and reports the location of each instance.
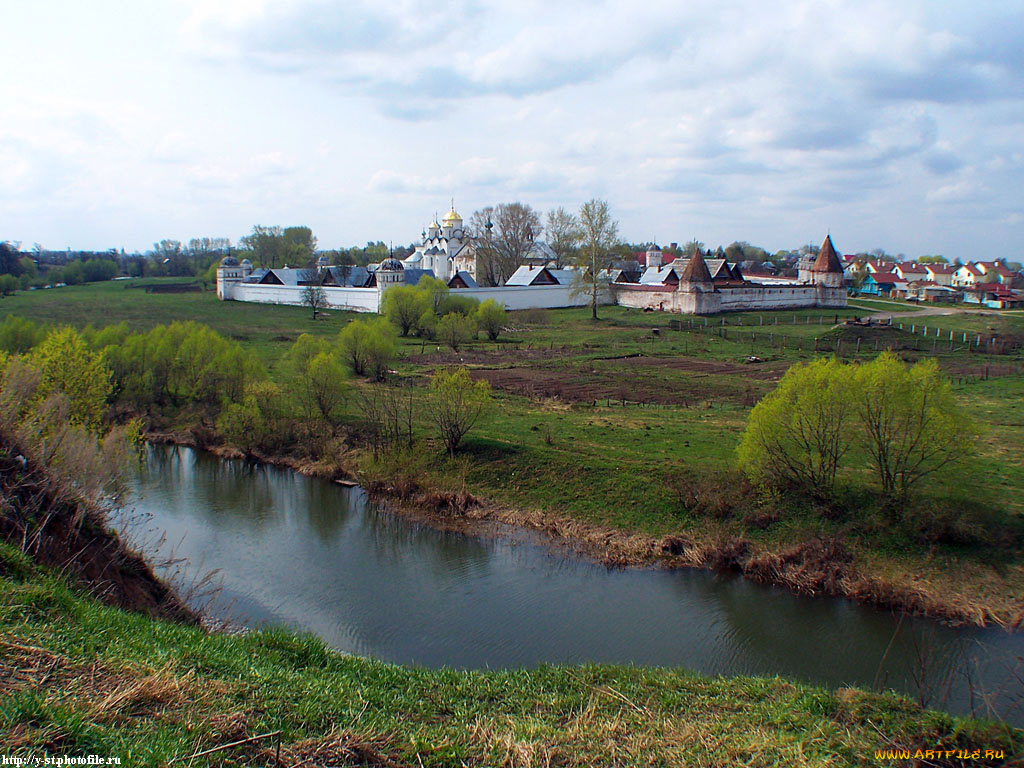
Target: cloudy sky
(895, 125)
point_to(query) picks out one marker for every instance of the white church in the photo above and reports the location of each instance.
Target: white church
(445, 251)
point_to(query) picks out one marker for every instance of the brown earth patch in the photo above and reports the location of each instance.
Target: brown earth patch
(633, 380)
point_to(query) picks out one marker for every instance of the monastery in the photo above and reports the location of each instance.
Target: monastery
(701, 285)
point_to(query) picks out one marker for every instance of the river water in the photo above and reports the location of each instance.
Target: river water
(309, 554)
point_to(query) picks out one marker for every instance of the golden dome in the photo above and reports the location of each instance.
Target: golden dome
(452, 216)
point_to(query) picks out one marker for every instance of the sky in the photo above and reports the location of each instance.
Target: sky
(890, 125)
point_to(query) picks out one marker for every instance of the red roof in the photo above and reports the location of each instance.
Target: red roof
(912, 267)
(997, 288)
(972, 269)
(890, 278)
(940, 269)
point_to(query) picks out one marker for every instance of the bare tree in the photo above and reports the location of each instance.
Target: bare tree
(502, 236)
(563, 235)
(599, 236)
(313, 295)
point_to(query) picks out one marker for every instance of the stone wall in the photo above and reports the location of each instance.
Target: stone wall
(740, 299)
(533, 296)
(354, 299)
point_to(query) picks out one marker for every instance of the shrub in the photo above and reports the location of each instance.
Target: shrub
(798, 434)
(455, 330)
(455, 404)
(490, 318)
(368, 346)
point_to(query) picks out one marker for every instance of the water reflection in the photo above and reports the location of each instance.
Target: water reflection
(312, 555)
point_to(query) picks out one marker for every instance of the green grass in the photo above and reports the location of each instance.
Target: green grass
(80, 678)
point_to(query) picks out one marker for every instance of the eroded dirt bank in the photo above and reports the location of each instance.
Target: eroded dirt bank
(37, 518)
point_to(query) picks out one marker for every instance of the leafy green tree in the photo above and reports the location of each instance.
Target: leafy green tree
(251, 424)
(427, 325)
(799, 433)
(463, 305)
(299, 245)
(403, 305)
(455, 330)
(8, 285)
(599, 234)
(455, 404)
(910, 423)
(67, 365)
(434, 292)
(10, 259)
(490, 318)
(368, 346)
(317, 380)
(19, 334)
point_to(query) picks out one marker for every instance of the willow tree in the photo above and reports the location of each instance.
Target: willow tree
(455, 404)
(911, 423)
(799, 433)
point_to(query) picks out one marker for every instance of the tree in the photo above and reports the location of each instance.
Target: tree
(455, 404)
(455, 330)
(368, 346)
(490, 318)
(67, 365)
(599, 235)
(563, 235)
(910, 423)
(8, 285)
(798, 434)
(298, 245)
(690, 248)
(169, 254)
(502, 236)
(403, 305)
(317, 380)
(266, 244)
(10, 259)
(315, 297)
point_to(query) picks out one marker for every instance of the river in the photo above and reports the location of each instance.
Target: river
(312, 555)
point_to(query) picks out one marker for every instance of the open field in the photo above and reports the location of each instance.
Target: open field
(595, 421)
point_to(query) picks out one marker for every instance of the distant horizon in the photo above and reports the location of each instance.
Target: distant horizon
(891, 126)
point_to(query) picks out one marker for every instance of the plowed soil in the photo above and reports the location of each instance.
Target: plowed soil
(681, 381)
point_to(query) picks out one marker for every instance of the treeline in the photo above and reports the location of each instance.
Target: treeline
(324, 393)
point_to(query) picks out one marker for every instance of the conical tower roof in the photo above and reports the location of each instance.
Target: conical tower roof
(828, 260)
(696, 270)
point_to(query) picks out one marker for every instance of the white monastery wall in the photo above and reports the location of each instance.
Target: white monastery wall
(532, 296)
(355, 299)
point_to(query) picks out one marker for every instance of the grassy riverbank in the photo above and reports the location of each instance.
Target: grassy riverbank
(80, 678)
(608, 432)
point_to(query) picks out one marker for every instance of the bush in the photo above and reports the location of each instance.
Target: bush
(66, 365)
(368, 346)
(403, 305)
(455, 404)
(455, 330)
(18, 335)
(798, 434)
(491, 318)
(8, 285)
